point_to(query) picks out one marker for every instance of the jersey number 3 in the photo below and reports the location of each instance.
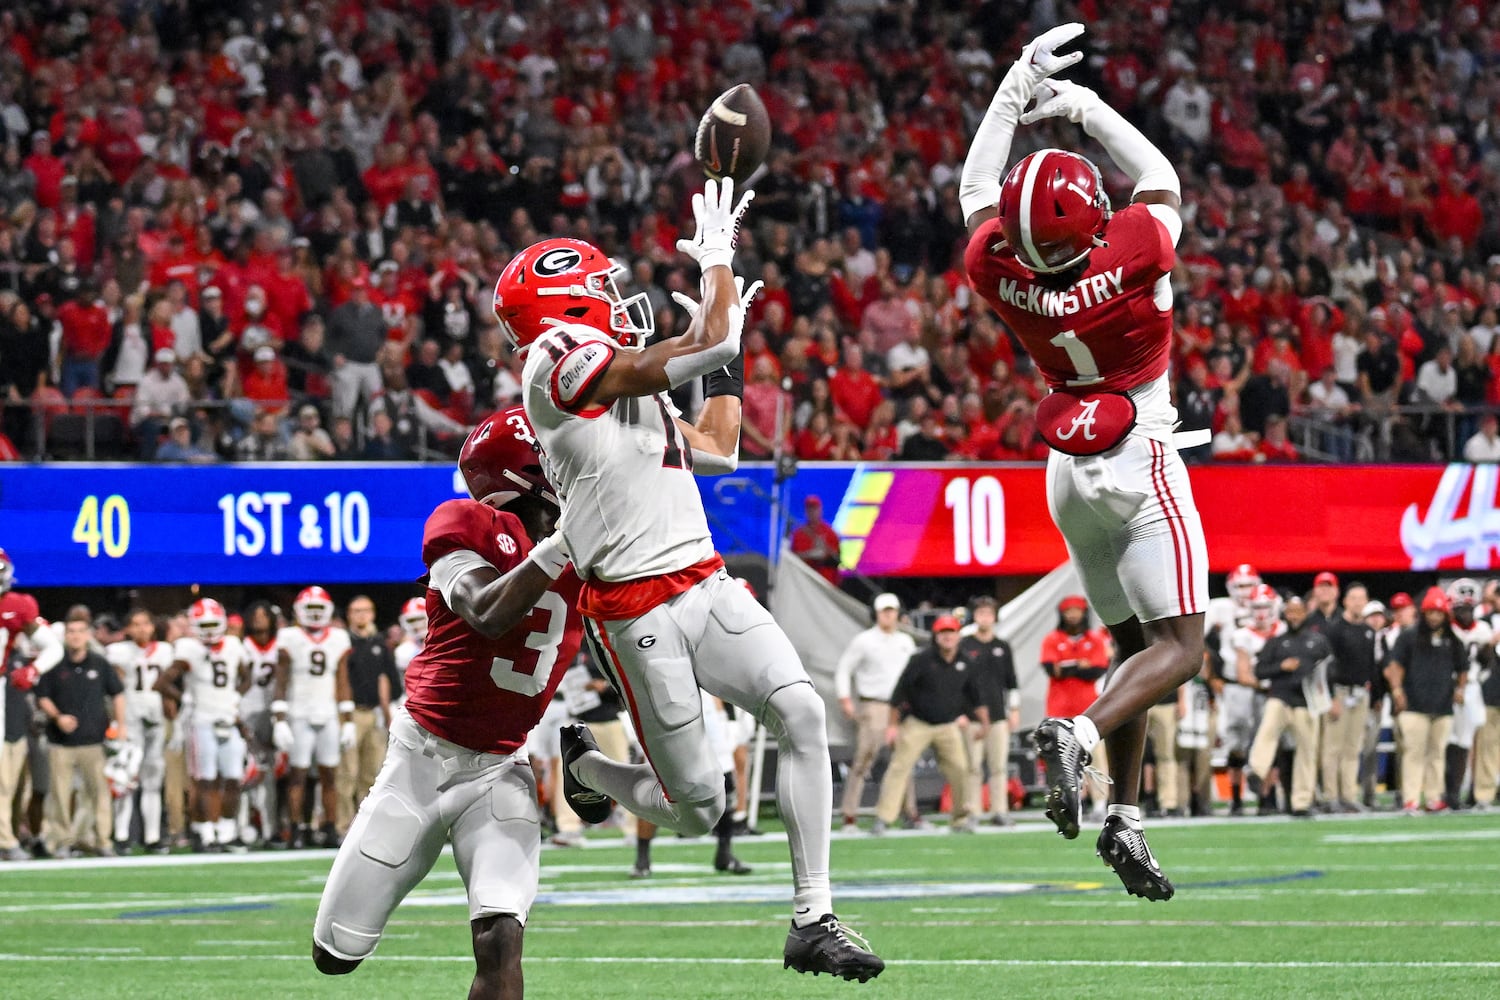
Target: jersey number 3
(528, 675)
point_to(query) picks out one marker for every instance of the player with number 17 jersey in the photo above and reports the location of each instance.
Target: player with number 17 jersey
(481, 693)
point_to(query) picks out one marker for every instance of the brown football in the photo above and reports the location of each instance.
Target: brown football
(734, 134)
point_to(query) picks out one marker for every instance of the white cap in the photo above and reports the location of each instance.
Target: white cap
(884, 601)
(1372, 608)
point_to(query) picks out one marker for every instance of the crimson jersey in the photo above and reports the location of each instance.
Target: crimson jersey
(481, 693)
(1112, 328)
(16, 612)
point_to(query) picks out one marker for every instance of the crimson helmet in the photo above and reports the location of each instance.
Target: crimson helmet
(502, 460)
(413, 617)
(1053, 209)
(208, 620)
(568, 281)
(1436, 600)
(1265, 606)
(313, 608)
(7, 572)
(1241, 581)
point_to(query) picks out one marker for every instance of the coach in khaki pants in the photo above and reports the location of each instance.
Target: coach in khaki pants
(931, 706)
(372, 681)
(1427, 671)
(992, 660)
(1285, 663)
(73, 695)
(863, 680)
(1352, 637)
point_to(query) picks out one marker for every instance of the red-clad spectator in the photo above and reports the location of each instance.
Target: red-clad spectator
(766, 412)
(855, 391)
(1274, 446)
(816, 542)
(1456, 213)
(1239, 302)
(757, 348)
(815, 442)
(386, 177)
(774, 291)
(396, 302)
(47, 169)
(882, 440)
(287, 298)
(1074, 657)
(117, 146)
(76, 222)
(86, 335)
(265, 379)
(175, 264)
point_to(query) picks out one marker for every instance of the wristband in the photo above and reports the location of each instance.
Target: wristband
(346, 706)
(549, 557)
(726, 381)
(278, 708)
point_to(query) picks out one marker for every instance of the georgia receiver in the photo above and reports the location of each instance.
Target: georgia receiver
(217, 673)
(20, 616)
(501, 631)
(140, 661)
(313, 707)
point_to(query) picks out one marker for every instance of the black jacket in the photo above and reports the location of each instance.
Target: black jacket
(1308, 647)
(936, 691)
(1433, 662)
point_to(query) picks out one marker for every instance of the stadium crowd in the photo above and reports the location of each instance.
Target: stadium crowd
(211, 213)
(122, 773)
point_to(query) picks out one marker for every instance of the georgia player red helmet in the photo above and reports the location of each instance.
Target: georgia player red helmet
(1053, 209)
(7, 572)
(313, 608)
(568, 281)
(208, 620)
(1242, 580)
(1265, 606)
(502, 461)
(413, 617)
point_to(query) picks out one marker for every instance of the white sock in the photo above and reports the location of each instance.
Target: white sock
(1085, 732)
(1130, 814)
(205, 832)
(804, 795)
(739, 815)
(124, 813)
(225, 828)
(151, 815)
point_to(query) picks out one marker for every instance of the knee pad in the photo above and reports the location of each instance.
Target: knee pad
(330, 964)
(795, 713)
(698, 818)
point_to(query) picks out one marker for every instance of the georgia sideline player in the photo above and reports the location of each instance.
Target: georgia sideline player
(502, 630)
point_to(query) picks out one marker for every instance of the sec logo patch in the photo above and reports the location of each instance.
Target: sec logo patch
(507, 544)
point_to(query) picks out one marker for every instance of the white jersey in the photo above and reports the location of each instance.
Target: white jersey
(213, 673)
(1249, 641)
(139, 668)
(262, 675)
(1226, 614)
(624, 473)
(311, 691)
(1476, 638)
(405, 653)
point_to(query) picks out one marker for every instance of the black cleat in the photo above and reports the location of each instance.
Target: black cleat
(299, 837)
(1064, 760)
(328, 836)
(1123, 848)
(158, 847)
(640, 871)
(732, 865)
(591, 806)
(828, 946)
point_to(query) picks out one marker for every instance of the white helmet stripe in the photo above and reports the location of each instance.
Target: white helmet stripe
(1028, 186)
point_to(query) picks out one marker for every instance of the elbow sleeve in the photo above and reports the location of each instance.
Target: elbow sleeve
(707, 463)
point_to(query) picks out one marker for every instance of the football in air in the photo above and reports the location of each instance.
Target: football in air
(734, 135)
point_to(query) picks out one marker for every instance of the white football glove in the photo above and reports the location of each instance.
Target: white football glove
(747, 296)
(1061, 99)
(718, 218)
(1037, 63)
(281, 736)
(347, 736)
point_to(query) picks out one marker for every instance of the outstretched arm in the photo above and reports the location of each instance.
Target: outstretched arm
(1155, 178)
(491, 602)
(984, 167)
(712, 339)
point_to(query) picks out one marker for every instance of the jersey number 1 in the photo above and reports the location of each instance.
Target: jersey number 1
(529, 675)
(1079, 356)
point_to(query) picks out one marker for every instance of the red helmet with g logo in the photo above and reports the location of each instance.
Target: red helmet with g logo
(1053, 209)
(567, 281)
(502, 460)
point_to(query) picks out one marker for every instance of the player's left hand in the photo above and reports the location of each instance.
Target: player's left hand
(1038, 61)
(718, 217)
(1060, 99)
(747, 295)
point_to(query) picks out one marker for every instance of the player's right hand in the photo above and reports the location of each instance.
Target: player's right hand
(718, 218)
(281, 736)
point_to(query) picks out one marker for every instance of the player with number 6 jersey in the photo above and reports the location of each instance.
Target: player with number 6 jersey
(1087, 292)
(210, 671)
(501, 630)
(140, 661)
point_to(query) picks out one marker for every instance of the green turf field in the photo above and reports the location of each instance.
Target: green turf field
(1374, 908)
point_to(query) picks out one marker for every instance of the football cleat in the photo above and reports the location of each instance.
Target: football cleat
(725, 861)
(1064, 760)
(640, 871)
(591, 806)
(828, 946)
(1123, 848)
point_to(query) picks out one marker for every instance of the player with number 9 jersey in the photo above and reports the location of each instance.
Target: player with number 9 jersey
(486, 693)
(314, 657)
